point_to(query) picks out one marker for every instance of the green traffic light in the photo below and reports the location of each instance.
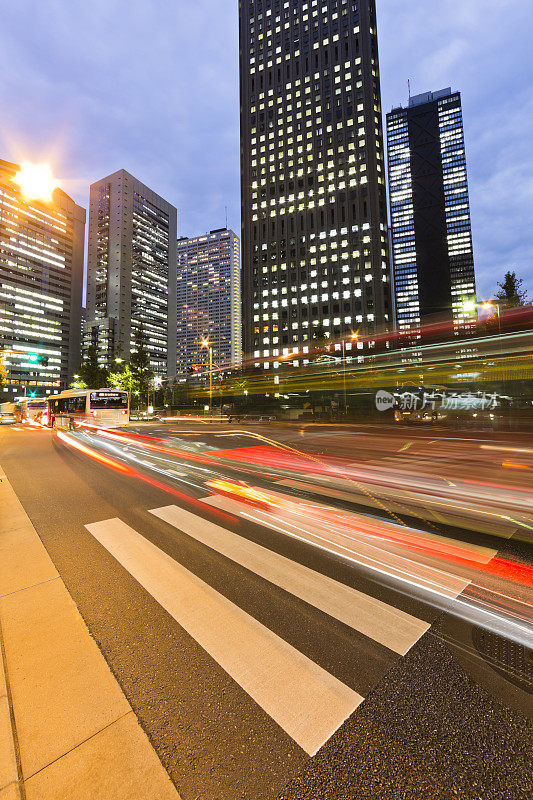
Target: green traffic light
(33, 357)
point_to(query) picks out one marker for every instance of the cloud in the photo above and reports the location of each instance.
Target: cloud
(482, 48)
(153, 87)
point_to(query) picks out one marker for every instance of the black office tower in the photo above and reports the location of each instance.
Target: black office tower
(430, 214)
(314, 233)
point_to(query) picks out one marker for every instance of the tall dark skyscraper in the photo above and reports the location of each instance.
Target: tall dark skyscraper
(131, 272)
(430, 212)
(314, 232)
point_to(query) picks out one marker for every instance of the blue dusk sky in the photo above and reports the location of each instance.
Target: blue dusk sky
(152, 87)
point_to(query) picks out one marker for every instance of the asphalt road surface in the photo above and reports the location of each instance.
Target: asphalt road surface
(302, 612)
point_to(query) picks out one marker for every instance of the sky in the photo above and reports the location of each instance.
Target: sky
(151, 86)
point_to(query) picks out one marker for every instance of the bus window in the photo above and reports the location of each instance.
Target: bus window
(109, 400)
(76, 404)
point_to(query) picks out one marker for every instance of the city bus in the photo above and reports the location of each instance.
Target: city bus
(104, 407)
(31, 410)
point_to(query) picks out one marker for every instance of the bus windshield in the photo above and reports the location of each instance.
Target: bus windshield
(109, 400)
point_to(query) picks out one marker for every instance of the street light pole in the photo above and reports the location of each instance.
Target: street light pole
(210, 379)
(344, 374)
(209, 347)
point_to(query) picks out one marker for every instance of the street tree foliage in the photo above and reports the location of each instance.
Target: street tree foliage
(3, 373)
(91, 374)
(77, 383)
(140, 362)
(511, 294)
(125, 379)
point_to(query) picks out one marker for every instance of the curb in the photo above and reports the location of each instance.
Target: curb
(9, 768)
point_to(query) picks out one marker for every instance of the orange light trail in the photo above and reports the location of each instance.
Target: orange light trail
(112, 463)
(351, 527)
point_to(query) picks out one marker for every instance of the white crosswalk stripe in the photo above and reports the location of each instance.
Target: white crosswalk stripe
(379, 621)
(307, 702)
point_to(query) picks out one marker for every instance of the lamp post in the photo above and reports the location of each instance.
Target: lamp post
(353, 337)
(488, 305)
(158, 380)
(205, 343)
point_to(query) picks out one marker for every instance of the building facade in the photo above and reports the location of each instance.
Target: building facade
(209, 300)
(430, 213)
(131, 272)
(313, 192)
(41, 281)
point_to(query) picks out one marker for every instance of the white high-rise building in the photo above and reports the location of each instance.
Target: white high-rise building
(209, 299)
(41, 280)
(131, 272)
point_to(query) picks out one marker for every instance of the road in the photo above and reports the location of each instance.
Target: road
(302, 611)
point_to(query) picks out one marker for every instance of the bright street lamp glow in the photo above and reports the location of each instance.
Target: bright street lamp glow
(36, 181)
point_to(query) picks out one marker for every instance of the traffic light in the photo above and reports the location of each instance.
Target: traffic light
(36, 358)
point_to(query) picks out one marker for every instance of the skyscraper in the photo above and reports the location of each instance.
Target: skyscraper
(209, 299)
(314, 217)
(41, 277)
(430, 212)
(131, 272)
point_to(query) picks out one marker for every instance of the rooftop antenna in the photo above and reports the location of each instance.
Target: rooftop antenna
(409, 89)
(226, 216)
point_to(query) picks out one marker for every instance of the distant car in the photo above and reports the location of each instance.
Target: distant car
(7, 418)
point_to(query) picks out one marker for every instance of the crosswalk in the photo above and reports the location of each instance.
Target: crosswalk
(307, 702)
(379, 621)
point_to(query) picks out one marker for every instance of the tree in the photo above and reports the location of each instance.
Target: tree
(3, 373)
(124, 379)
(140, 363)
(90, 375)
(511, 295)
(77, 383)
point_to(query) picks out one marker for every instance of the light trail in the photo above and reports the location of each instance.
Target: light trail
(452, 575)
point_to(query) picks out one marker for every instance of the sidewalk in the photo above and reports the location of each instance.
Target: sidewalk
(67, 731)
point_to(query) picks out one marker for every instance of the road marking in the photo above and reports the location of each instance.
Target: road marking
(405, 447)
(378, 621)
(307, 702)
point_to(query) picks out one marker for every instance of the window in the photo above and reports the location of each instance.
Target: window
(109, 400)
(75, 405)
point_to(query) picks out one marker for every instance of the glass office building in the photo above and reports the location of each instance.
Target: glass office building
(209, 300)
(314, 216)
(131, 272)
(41, 280)
(430, 213)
